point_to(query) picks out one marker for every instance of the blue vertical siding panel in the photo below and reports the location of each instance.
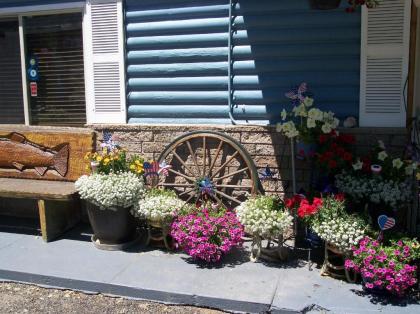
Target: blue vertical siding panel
(177, 58)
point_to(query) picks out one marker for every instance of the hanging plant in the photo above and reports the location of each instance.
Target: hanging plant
(324, 4)
(354, 4)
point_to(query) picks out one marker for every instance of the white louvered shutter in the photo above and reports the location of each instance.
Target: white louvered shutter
(384, 63)
(104, 61)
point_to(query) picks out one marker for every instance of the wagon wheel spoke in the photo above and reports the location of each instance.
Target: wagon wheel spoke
(183, 163)
(218, 200)
(231, 186)
(193, 156)
(231, 174)
(225, 164)
(228, 197)
(189, 199)
(215, 158)
(187, 191)
(182, 175)
(170, 184)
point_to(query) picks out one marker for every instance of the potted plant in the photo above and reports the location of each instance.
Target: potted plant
(354, 4)
(304, 209)
(264, 218)
(305, 122)
(158, 208)
(114, 187)
(340, 231)
(207, 234)
(383, 183)
(386, 268)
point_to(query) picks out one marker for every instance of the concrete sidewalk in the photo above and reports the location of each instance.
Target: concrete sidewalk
(73, 262)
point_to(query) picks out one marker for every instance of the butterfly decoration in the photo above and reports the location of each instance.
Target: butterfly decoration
(108, 142)
(298, 94)
(385, 223)
(267, 174)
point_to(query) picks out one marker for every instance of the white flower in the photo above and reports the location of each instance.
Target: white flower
(308, 101)
(315, 114)
(382, 155)
(278, 127)
(289, 129)
(110, 191)
(158, 206)
(397, 163)
(358, 165)
(300, 111)
(283, 114)
(310, 123)
(381, 145)
(326, 128)
(410, 169)
(260, 218)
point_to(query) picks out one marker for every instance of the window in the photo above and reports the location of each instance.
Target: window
(55, 43)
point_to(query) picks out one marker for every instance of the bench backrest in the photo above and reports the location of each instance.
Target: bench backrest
(44, 153)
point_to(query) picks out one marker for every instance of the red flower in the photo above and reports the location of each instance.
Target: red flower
(322, 138)
(347, 156)
(317, 202)
(332, 164)
(339, 197)
(328, 155)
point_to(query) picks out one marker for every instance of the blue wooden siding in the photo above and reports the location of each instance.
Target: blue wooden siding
(177, 59)
(18, 3)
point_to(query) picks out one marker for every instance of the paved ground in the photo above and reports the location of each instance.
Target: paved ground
(20, 298)
(72, 262)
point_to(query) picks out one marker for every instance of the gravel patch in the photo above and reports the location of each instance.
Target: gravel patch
(22, 298)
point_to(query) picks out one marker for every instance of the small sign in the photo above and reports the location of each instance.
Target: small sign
(33, 74)
(34, 89)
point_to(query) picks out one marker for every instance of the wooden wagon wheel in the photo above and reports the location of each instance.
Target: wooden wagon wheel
(210, 166)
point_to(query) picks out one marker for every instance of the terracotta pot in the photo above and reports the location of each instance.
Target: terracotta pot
(112, 226)
(324, 4)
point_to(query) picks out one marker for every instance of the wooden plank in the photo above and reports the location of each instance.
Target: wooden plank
(36, 189)
(56, 217)
(80, 142)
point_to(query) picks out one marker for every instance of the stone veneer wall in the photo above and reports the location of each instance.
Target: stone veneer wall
(264, 144)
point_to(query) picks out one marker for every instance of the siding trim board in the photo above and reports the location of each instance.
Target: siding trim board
(177, 58)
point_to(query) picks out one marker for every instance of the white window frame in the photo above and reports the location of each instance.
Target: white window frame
(34, 10)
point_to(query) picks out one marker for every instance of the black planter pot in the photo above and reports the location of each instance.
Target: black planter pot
(324, 4)
(112, 227)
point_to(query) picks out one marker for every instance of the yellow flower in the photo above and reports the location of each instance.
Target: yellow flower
(106, 161)
(137, 162)
(132, 167)
(87, 167)
(99, 158)
(139, 170)
(87, 156)
(117, 157)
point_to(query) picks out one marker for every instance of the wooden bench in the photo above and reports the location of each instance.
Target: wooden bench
(42, 163)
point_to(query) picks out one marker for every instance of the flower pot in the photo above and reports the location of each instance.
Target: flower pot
(324, 4)
(305, 150)
(158, 231)
(312, 237)
(114, 226)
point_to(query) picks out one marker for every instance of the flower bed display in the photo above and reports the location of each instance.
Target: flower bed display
(386, 267)
(207, 234)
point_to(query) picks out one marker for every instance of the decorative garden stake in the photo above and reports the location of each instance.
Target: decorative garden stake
(267, 174)
(385, 223)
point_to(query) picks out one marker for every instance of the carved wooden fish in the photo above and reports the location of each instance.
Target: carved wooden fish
(17, 152)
